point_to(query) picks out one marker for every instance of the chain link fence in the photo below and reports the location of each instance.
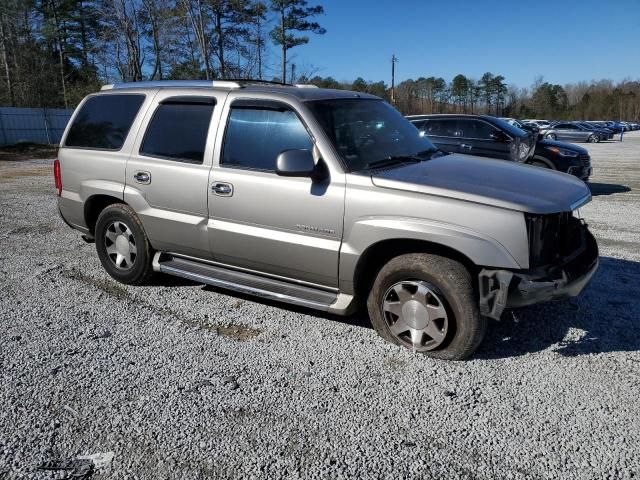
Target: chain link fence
(34, 125)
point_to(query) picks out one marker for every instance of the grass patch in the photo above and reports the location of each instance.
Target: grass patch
(13, 173)
(27, 151)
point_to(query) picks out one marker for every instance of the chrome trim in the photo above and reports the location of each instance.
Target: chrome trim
(244, 289)
(254, 272)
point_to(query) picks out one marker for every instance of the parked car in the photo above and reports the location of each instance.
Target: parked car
(572, 132)
(615, 127)
(451, 132)
(320, 198)
(538, 123)
(604, 133)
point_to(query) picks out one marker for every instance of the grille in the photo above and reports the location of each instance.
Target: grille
(552, 237)
(585, 159)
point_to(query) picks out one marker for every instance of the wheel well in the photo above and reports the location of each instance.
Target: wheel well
(547, 162)
(94, 205)
(377, 255)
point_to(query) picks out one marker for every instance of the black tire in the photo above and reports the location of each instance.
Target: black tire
(593, 139)
(140, 269)
(450, 279)
(551, 136)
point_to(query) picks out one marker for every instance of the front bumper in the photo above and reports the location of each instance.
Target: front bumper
(500, 289)
(582, 172)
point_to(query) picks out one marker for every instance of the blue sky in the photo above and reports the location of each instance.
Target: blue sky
(563, 40)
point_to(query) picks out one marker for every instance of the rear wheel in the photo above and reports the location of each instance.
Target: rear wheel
(123, 246)
(426, 303)
(551, 136)
(593, 139)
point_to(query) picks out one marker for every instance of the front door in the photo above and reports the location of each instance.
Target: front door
(258, 220)
(167, 174)
(476, 134)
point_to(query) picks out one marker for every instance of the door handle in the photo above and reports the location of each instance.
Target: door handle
(142, 177)
(222, 189)
(466, 146)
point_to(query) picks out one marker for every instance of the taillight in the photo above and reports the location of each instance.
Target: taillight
(57, 175)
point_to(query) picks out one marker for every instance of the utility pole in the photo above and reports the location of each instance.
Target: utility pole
(293, 73)
(394, 60)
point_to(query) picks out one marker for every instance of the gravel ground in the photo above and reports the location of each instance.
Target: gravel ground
(184, 381)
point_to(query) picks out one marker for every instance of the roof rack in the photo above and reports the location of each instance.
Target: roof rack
(173, 83)
(233, 83)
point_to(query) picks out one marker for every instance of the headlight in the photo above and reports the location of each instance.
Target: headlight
(562, 152)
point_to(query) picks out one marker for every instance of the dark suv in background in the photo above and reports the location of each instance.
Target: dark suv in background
(487, 136)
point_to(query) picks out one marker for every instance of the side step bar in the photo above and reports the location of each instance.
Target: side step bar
(252, 284)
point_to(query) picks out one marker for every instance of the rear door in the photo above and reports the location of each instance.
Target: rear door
(168, 172)
(443, 134)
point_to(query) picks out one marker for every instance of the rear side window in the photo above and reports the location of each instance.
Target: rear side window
(255, 137)
(178, 131)
(440, 128)
(103, 122)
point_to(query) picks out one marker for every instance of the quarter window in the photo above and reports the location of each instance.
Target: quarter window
(178, 131)
(103, 122)
(256, 136)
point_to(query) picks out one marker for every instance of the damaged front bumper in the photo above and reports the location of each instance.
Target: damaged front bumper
(500, 289)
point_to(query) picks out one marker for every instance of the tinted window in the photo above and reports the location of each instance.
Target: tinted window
(103, 122)
(255, 137)
(441, 128)
(178, 132)
(475, 129)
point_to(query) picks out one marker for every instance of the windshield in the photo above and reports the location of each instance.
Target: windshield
(368, 133)
(509, 128)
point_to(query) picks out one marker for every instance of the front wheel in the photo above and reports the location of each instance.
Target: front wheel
(123, 246)
(551, 136)
(427, 304)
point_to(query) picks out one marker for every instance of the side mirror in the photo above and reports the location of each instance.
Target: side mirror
(295, 163)
(498, 136)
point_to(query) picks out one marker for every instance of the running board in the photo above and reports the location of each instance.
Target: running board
(253, 284)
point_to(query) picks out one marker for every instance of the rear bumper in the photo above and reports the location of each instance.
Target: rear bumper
(500, 289)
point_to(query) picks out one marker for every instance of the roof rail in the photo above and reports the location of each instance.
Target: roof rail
(306, 85)
(174, 84)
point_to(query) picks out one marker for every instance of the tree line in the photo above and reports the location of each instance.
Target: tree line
(595, 100)
(54, 52)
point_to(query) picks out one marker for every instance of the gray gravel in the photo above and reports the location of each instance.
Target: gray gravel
(184, 381)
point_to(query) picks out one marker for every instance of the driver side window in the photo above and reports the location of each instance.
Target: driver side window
(256, 136)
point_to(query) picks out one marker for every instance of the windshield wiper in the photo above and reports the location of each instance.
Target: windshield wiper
(393, 160)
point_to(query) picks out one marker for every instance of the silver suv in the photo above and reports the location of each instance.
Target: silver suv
(320, 198)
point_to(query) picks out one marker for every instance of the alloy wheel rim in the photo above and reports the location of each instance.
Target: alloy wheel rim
(120, 245)
(415, 313)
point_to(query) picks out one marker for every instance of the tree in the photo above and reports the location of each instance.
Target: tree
(293, 16)
(460, 90)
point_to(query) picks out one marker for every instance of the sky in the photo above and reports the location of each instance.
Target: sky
(565, 41)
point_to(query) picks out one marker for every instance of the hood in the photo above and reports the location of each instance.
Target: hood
(567, 146)
(498, 183)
